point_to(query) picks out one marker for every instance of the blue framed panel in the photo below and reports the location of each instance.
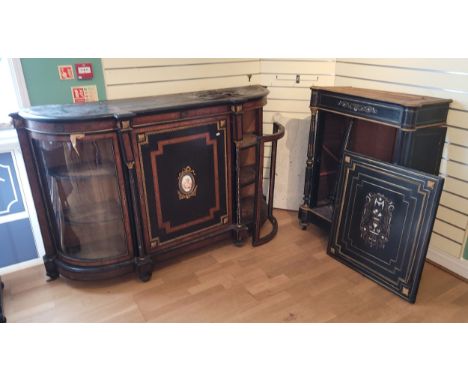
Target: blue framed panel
(11, 201)
(16, 236)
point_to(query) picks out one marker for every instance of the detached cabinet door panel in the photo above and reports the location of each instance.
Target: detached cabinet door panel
(184, 180)
(383, 221)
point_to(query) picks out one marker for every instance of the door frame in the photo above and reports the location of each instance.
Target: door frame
(9, 143)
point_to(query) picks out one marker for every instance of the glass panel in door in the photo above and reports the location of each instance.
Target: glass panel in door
(82, 183)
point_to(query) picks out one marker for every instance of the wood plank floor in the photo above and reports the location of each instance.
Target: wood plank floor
(290, 279)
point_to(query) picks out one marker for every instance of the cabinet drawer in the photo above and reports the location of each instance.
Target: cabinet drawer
(183, 173)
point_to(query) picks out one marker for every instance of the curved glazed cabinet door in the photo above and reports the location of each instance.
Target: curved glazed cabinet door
(183, 172)
(83, 185)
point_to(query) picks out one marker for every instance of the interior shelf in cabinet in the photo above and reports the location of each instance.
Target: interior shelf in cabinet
(326, 173)
(93, 254)
(247, 175)
(247, 209)
(330, 153)
(83, 171)
(325, 211)
(104, 212)
(99, 249)
(248, 140)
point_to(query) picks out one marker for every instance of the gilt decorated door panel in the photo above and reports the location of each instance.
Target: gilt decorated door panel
(183, 172)
(383, 221)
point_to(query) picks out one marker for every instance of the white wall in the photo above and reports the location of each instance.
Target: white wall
(289, 101)
(132, 77)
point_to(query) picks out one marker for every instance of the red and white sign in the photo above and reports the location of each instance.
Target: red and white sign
(84, 71)
(65, 72)
(83, 94)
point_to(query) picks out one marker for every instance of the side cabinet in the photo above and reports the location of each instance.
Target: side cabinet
(369, 179)
(120, 185)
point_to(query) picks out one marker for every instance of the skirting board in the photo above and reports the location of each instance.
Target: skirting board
(450, 263)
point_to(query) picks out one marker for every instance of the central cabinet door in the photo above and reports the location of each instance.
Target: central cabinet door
(184, 180)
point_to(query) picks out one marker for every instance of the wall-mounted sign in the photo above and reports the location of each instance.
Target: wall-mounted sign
(84, 71)
(83, 94)
(65, 72)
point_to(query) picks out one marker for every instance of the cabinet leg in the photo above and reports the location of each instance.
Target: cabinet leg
(240, 235)
(144, 268)
(303, 218)
(51, 267)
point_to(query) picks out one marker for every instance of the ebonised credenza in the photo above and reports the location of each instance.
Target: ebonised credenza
(120, 185)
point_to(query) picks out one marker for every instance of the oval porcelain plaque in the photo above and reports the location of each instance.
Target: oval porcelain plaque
(187, 184)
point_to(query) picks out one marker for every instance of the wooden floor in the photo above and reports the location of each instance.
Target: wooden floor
(290, 279)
